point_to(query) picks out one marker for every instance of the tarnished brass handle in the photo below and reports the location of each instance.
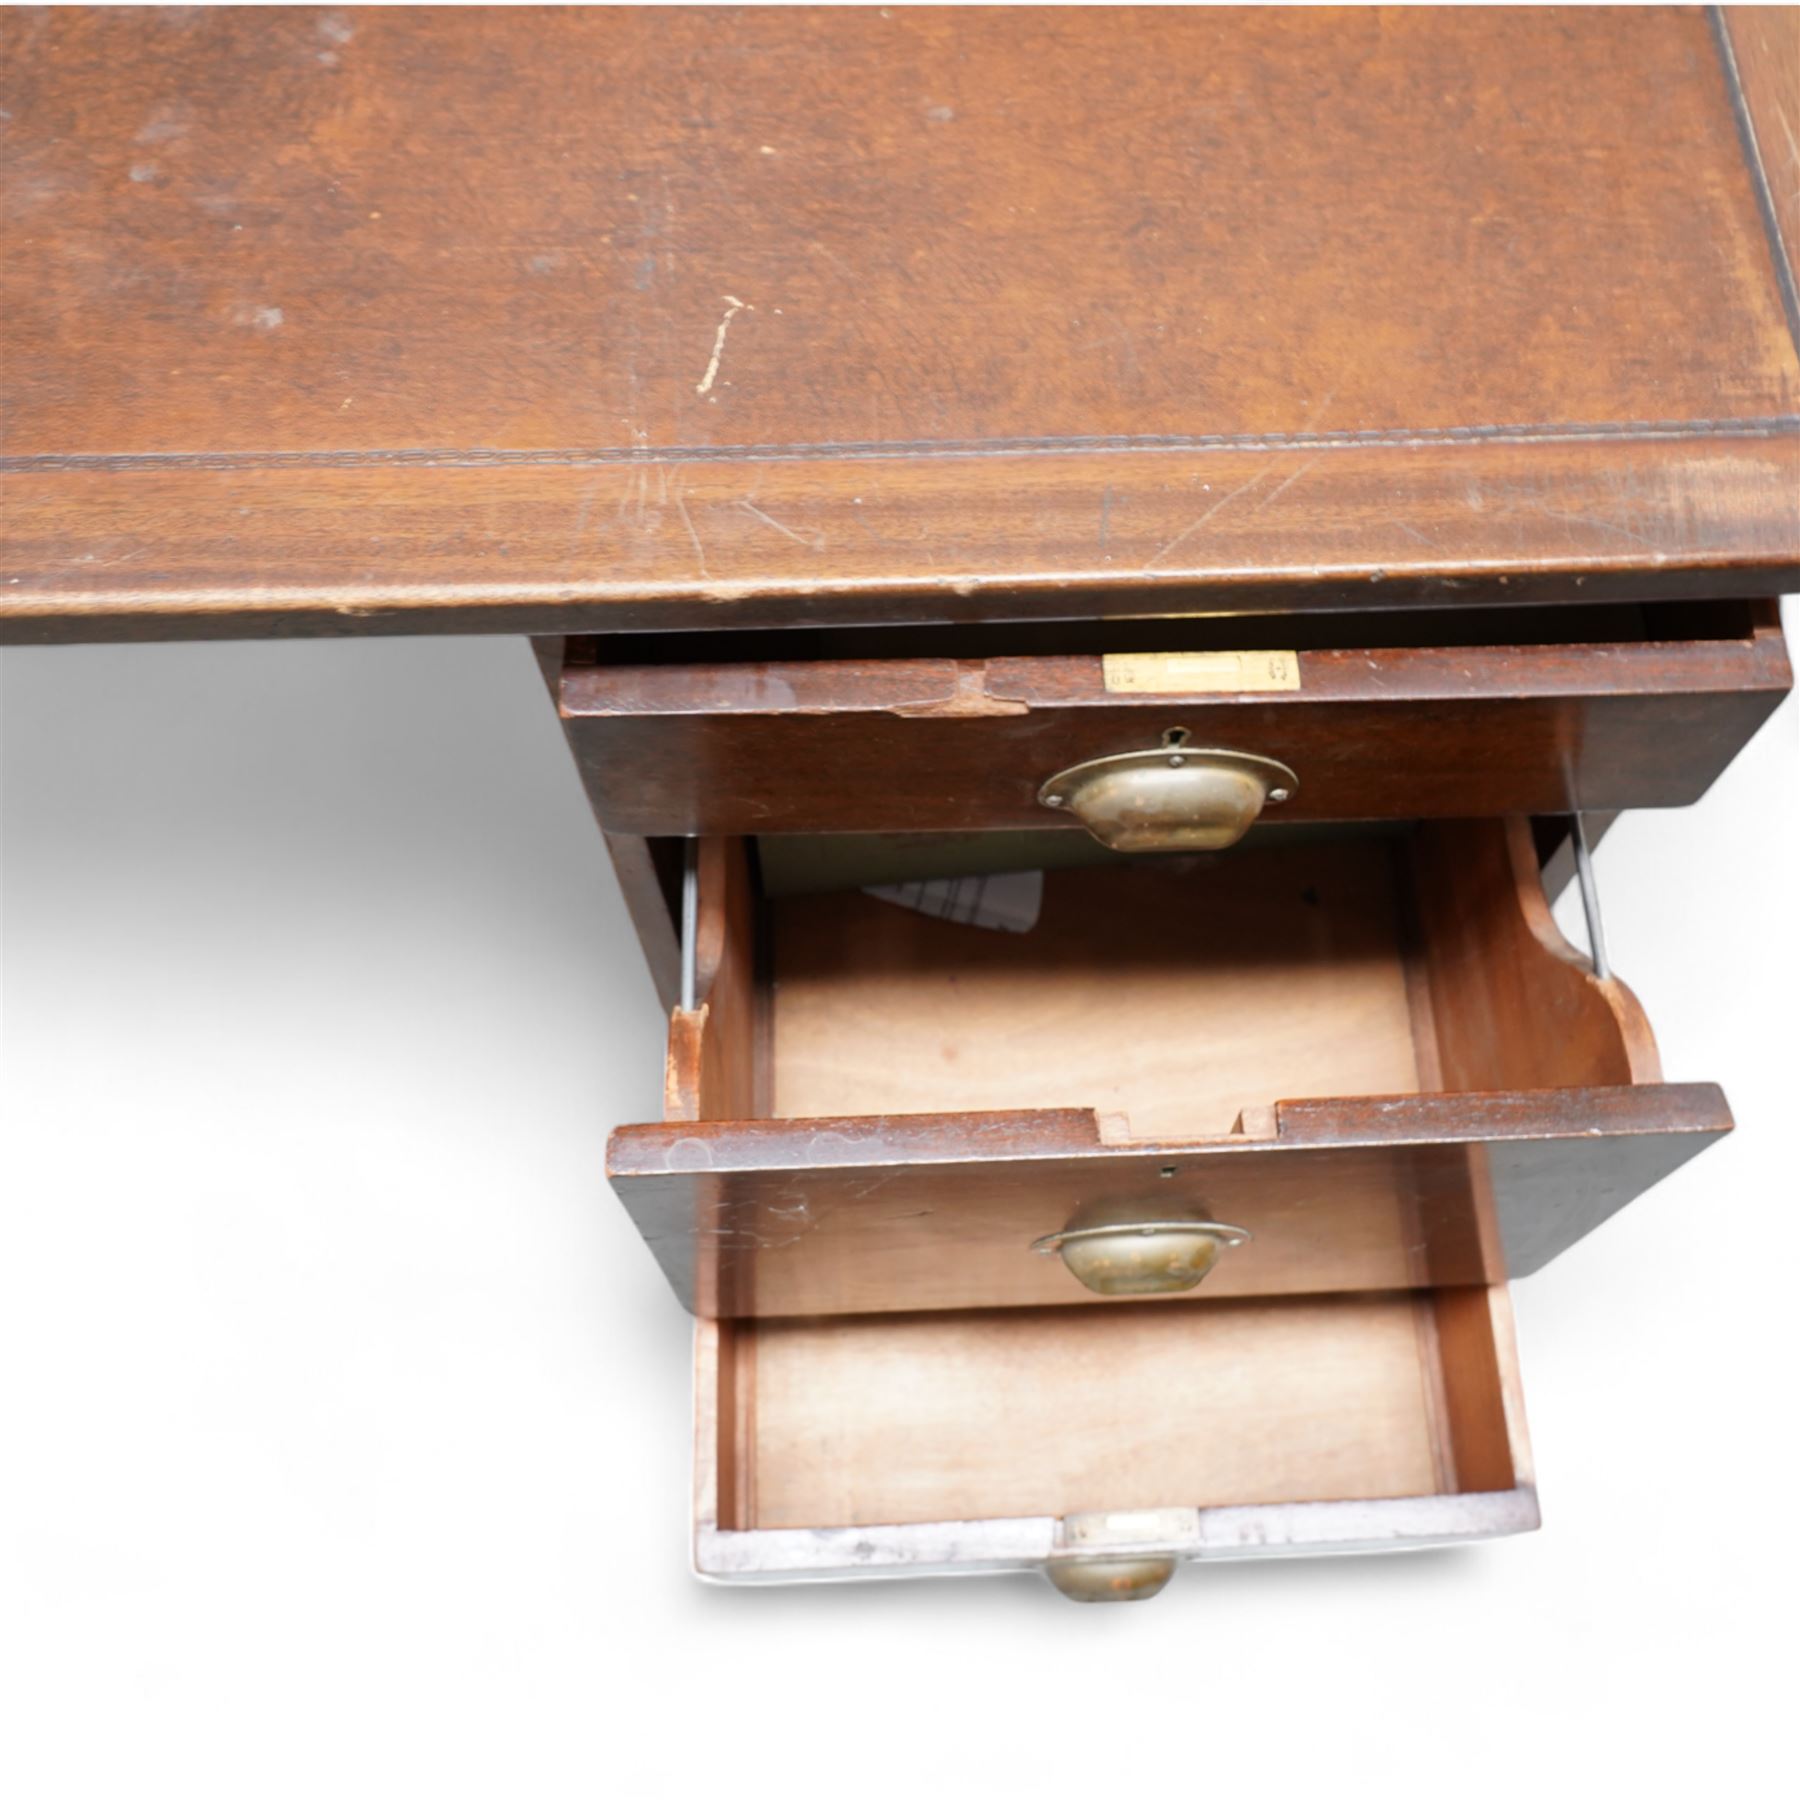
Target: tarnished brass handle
(1118, 1555)
(1110, 1578)
(1172, 798)
(1151, 1256)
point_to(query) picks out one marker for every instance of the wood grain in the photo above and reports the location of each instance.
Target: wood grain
(484, 319)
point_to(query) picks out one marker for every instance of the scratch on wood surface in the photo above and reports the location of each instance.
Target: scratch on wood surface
(814, 541)
(693, 535)
(1275, 493)
(1219, 505)
(1787, 131)
(1589, 522)
(635, 494)
(733, 306)
(582, 512)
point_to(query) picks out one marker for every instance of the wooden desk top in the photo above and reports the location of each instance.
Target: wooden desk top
(347, 321)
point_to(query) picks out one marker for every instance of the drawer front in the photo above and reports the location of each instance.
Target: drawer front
(778, 1218)
(1364, 1063)
(935, 744)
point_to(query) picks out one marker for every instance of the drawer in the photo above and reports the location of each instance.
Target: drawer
(1174, 1226)
(1104, 1447)
(1368, 1049)
(1484, 712)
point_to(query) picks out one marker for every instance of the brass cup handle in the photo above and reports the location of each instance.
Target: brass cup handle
(1171, 798)
(1151, 1256)
(1110, 1578)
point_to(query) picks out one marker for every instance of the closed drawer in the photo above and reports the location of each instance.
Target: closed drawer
(1369, 1050)
(1398, 716)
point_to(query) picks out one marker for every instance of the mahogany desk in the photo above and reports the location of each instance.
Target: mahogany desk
(1234, 489)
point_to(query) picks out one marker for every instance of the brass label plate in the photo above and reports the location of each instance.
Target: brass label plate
(1204, 672)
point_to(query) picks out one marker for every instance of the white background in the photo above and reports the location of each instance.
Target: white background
(344, 1420)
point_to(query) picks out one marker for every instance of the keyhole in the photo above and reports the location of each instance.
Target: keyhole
(1175, 737)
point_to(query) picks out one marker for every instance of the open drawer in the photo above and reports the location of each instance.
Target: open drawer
(1473, 713)
(1369, 1050)
(1105, 1446)
(1174, 1226)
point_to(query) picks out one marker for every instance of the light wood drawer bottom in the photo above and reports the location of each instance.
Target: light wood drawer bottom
(1084, 1441)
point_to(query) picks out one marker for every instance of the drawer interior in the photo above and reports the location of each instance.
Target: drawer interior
(1172, 995)
(1177, 996)
(1241, 1428)
(898, 1420)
